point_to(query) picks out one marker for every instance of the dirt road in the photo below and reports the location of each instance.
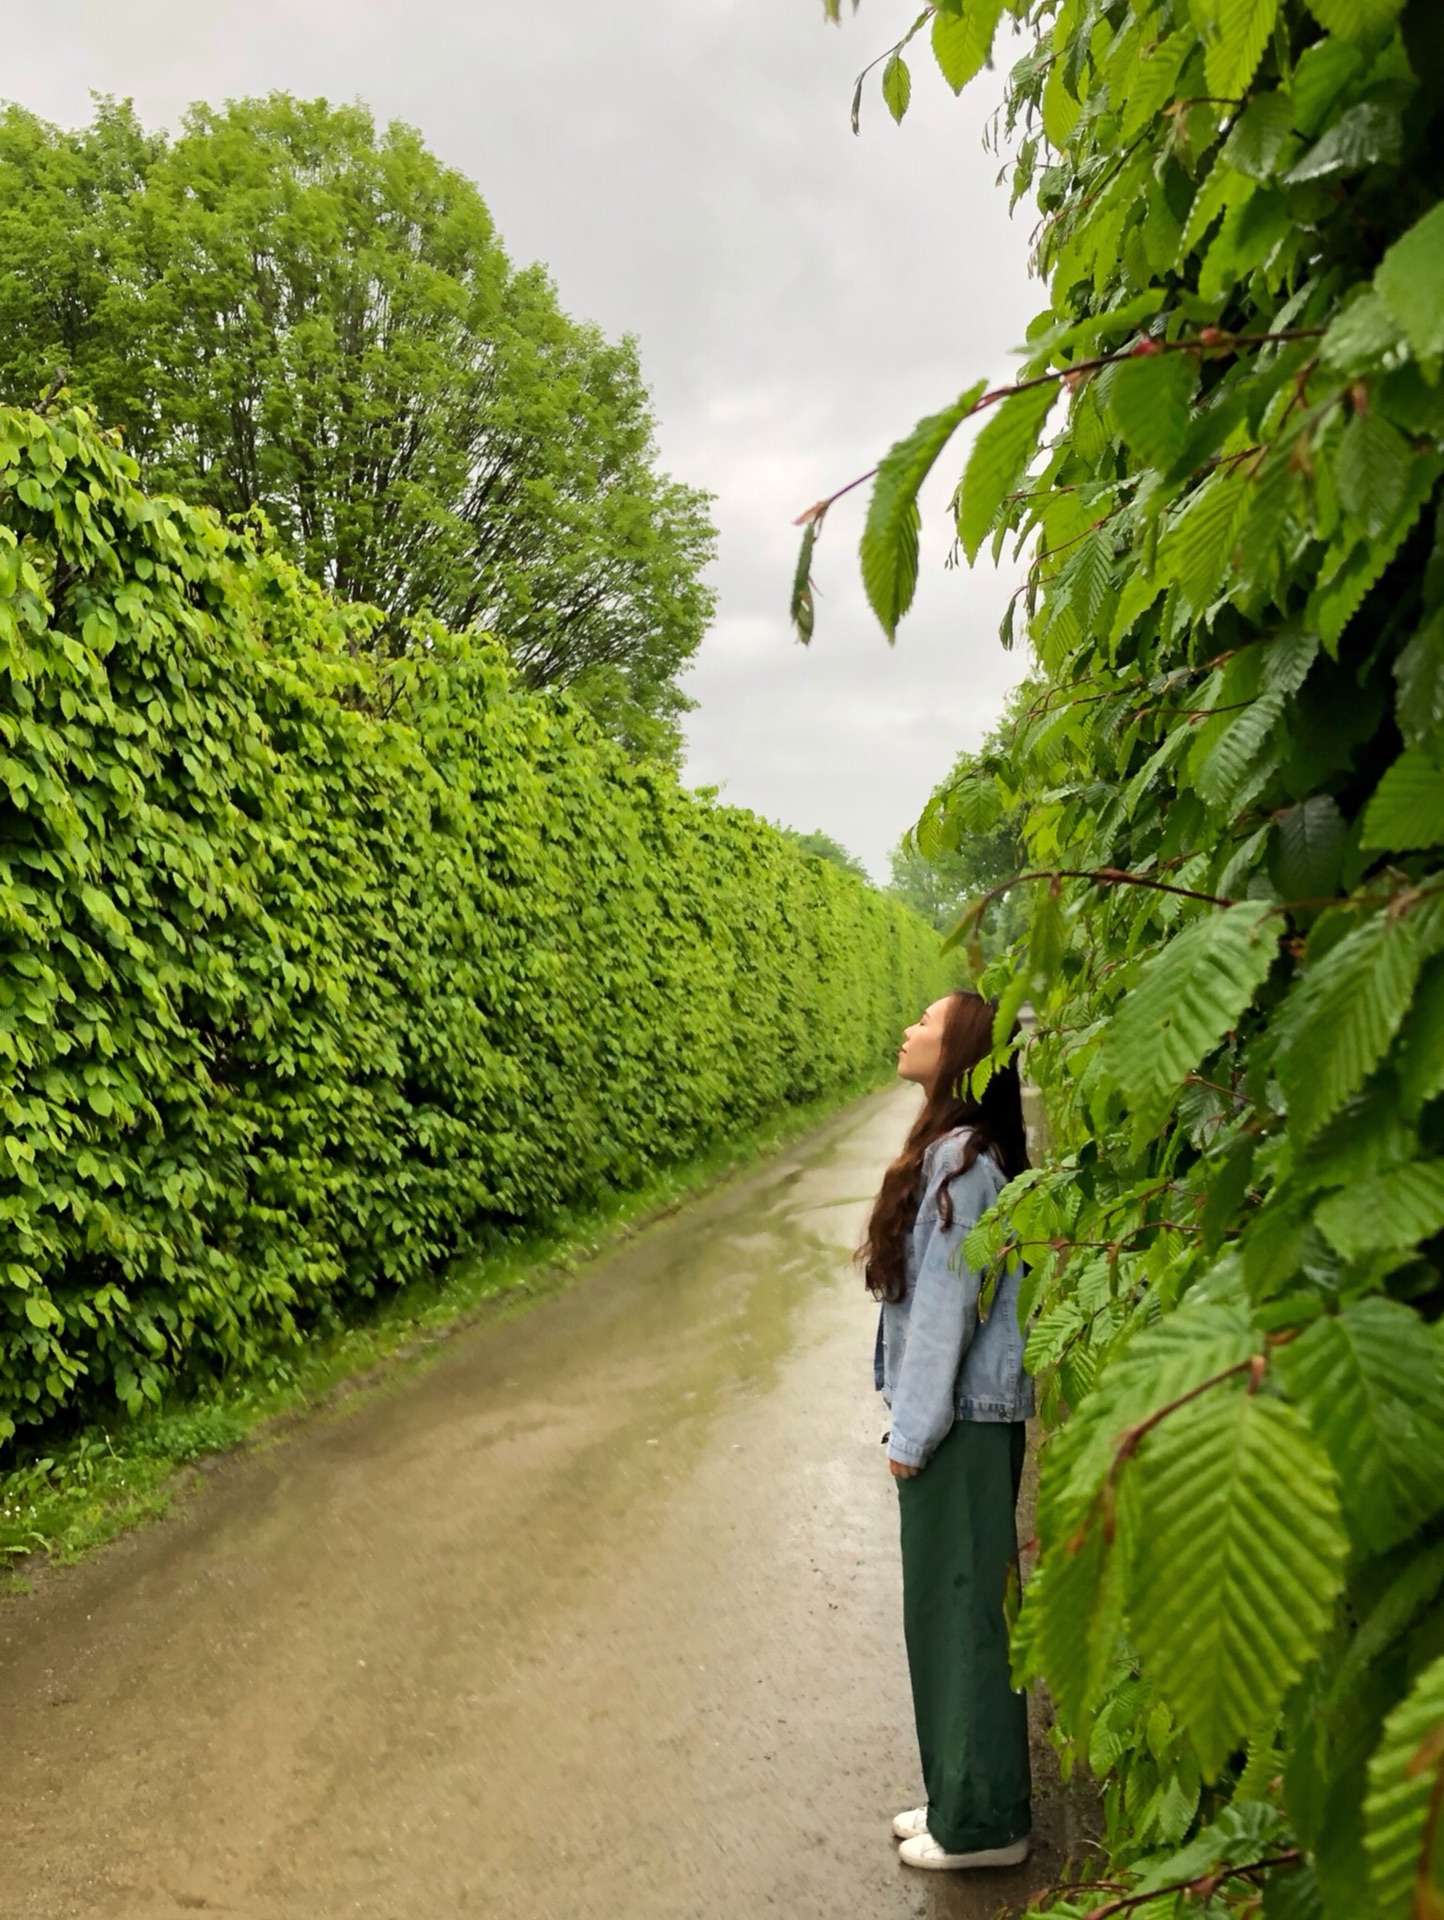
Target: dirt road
(597, 1615)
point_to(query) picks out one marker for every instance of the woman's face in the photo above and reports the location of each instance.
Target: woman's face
(921, 1054)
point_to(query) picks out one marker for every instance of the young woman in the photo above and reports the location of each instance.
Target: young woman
(958, 1396)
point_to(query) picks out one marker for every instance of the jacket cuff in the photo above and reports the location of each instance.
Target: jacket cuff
(905, 1452)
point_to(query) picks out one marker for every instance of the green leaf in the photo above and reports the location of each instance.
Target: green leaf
(1060, 108)
(1363, 338)
(1308, 849)
(1238, 33)
(1410, 283)
(1357, 20)
(1149, 401)
(1392, 1210)
(1367, 135)
(1322, 72)
(962, 41)
(897, 86)
(802, 591)
(1420, 1050)
(1338, 1021)
(1153, 83)
(1403, 1835)
(1419, 671)
(1228, 772)
(1198, 545)
(1407, 809)
(1047, 935)
(1373, 470)
(1240, 1558)
(1187, 998)
(998, 461)
(890, 538)
(1259, 135)
(1370, 1382)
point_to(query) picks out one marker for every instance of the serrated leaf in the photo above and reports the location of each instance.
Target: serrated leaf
(1196, 548)
(1240, 1557)
(1405, 1846)
(1226, 773)
(890, 538)
(1370, 1382)
(1187, 998)
(1238, 33)
(1047, 935)
(1390, 1211)
(1407, 809)
(1320, 75)
(1259, 135)
(1410, 283)
(998, 461)
(1085, 582)
(1366, 136)
(1420, 1050)
(975, 804)
(802, 592)
(1079, 1616)
(1372, 470)
(1339, 1018)
(1060, 108)
(1397, 1607)
(1153, 83)
(1419, 671)
(1149, 401)
(1241, 1834)
(963, 40)
(1363, 338)
(1308, 849)
(897, 86)
(1186, 1348)
(1356, 20)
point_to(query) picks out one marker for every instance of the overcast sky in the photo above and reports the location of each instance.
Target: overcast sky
(686, 170)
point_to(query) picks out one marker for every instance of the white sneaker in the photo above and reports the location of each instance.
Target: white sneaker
(910, 1825)
(923, 1851)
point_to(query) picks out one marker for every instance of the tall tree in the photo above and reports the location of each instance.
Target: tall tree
(284, 309)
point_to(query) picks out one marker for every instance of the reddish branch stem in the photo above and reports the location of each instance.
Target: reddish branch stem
(1225, 343)
(1205, 1886)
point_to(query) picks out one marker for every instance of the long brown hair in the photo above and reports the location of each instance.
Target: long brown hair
(996, 1120)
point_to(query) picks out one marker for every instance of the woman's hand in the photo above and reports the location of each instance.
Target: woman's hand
(901, 1472)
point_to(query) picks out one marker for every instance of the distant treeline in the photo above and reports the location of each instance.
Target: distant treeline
(321, 958)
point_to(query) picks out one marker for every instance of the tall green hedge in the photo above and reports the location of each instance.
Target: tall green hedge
(317, 961)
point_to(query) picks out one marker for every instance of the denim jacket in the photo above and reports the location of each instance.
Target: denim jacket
(936, 1361)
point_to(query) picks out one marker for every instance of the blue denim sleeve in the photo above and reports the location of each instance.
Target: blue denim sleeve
(942, 1320)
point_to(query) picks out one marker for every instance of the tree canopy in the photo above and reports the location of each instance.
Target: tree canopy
(284, 309)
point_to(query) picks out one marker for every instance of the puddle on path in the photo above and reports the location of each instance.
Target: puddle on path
(598, 1616)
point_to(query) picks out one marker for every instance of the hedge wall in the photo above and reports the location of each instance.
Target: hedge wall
(317, 962)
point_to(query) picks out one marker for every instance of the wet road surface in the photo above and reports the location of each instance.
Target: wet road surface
(597, 1615)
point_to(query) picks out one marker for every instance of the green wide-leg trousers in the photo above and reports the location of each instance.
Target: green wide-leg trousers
(959, 1539)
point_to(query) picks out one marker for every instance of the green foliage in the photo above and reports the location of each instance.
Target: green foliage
(322, 959)
(1229, 792)
(822, 846)
(284, 310)
(966, 842)
(890, 538)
